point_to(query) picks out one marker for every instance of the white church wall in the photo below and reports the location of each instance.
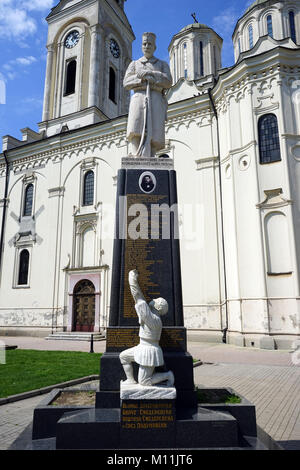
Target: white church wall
(198, 189)
(18, 306)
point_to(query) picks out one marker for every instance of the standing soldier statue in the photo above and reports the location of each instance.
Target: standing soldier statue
(148, 77)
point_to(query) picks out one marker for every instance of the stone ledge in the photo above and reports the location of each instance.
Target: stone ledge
(135, 163)
(140, 392)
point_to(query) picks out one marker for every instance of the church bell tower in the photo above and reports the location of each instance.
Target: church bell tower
(89, 48)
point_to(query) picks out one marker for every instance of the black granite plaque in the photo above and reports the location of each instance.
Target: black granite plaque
(147, 423)
(120, 338)
(153, 251)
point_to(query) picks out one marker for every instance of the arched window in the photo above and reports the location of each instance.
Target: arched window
(270, 25)
(201, 59)
(23, 268)
(185, 60)
(277, 243)
(88, 188)
(292, 26)
(174, 61)
(268, 135)
(239, 43)
(250, 34)
(112, 84)
(28, 200)
(70, 77)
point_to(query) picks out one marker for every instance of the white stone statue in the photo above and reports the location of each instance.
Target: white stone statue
(148, 354)
(148, 77)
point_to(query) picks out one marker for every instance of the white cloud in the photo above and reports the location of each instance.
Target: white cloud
(16, 17)
(25, 60)
(224, 24)
(10, 67)
(34, 102)
(225, 21)
(12, 75)
(2, 89)
(38, 5)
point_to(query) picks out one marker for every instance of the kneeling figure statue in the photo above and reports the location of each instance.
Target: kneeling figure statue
(148, 354)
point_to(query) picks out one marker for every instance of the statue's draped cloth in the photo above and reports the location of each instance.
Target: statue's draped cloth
(158, 102)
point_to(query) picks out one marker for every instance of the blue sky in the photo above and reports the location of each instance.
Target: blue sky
(23, 36)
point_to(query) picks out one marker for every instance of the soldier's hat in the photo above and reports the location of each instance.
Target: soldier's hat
(150, 35)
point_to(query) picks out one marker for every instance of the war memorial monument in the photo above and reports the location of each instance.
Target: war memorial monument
(147, 397)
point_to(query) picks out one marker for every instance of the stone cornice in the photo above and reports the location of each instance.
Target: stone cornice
(277, 62)
(192, 109)
(58, 147)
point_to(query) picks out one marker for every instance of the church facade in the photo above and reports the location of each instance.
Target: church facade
(234, 136)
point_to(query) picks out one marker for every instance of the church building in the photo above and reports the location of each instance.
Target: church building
(234, 136)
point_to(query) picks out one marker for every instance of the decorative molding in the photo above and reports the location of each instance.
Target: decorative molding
(205, 163)
(56, 192)
(40, 159)
(24, 240)
(90, 270)
(266, 109)
(274, 200)
(84, 221)
(186, 119)
(88, 163)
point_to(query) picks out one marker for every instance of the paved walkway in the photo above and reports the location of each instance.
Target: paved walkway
(266, 378)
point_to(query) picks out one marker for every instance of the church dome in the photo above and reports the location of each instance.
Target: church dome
(274, 18)
(254, 4)
(195, 26)
(195, 52)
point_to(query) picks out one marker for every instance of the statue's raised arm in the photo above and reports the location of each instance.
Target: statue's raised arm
(135, 289)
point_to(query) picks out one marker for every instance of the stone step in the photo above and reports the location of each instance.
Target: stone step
(76, 336)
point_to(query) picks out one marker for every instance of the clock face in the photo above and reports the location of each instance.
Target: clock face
(72, 39)
(114, 49)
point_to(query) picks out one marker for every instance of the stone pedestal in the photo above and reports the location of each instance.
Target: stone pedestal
(156, 257)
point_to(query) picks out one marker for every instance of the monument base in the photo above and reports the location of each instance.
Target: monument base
(99, 429)
(147, 424)
(139, 392)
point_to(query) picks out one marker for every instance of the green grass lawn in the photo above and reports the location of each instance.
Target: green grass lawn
(26, 369)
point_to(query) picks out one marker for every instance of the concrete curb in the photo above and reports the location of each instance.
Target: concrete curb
(41, 391)
(70, 383)
(197, 363)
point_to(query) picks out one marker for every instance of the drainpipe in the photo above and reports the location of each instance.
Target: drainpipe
(224, 331)
(4, 207)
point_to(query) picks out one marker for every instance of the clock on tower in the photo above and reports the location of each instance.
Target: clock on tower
(89, 48)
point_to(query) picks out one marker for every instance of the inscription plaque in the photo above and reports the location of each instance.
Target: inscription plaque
(173, 339)
(148, 414)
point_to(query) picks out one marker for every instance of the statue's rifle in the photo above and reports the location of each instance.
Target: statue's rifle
(145, 143)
